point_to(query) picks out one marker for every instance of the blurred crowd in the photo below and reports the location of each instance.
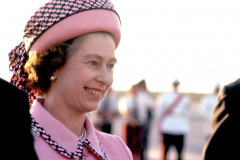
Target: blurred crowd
(136, 110)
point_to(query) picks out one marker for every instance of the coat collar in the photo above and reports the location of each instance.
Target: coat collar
(60, 137)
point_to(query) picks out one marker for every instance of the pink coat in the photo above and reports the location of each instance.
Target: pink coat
(53, 141)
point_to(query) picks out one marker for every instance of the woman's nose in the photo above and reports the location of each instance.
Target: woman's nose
(105, 76)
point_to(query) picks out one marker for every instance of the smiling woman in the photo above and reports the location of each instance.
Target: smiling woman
(42, 64)
(70, 58)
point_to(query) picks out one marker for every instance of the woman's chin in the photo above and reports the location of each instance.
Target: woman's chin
(91, 107)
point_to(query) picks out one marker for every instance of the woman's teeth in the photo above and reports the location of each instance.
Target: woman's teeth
(94, 92)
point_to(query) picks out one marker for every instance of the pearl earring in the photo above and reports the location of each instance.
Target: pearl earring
(52, 78)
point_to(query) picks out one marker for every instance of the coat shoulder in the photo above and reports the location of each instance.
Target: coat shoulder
(232, 88)
(225, 120)
(229, 98)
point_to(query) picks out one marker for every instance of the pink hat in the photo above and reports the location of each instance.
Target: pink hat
(58, 21)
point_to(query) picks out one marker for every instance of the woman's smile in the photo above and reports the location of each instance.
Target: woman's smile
(94, 92)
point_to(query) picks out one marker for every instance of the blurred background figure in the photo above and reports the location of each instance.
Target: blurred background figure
(131, 129)
(172, 120)
(207, 105)
(107, 112)
(146, 103)
(135, 107)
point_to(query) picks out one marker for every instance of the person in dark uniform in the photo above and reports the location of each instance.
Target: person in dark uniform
(16, 123)
(223, 143)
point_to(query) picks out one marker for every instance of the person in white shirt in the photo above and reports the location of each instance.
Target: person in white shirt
(128, 107)
(135, 107)
(172, 119)
(146, 108)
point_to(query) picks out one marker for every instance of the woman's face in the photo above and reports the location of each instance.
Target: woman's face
(88, 73)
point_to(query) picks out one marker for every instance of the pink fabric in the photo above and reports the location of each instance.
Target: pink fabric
(113, 147)
(79, 24)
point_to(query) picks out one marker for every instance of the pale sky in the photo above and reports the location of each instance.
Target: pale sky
(196, 41)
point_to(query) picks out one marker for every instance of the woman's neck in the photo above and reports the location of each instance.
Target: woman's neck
(73, 120)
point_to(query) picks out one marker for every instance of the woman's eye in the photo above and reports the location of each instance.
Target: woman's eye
(111, 66)
(93, 63)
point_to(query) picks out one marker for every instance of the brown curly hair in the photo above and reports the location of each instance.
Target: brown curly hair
(42, 64)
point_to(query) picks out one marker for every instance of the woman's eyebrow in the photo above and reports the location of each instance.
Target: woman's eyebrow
(114, 59)
(93, 56)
